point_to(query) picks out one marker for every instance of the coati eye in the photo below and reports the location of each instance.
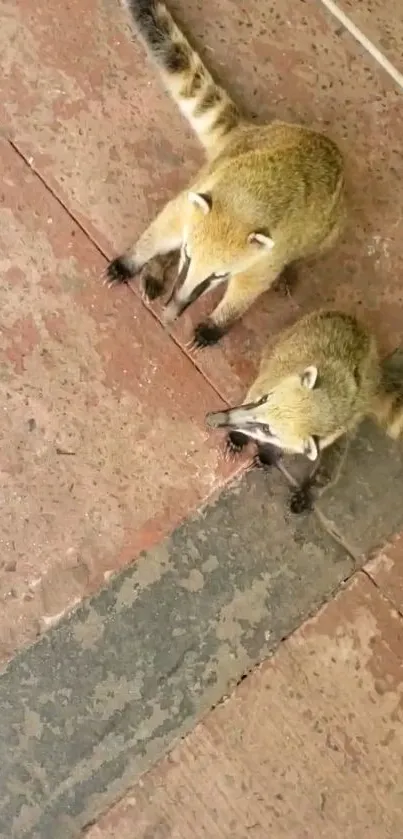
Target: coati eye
(219, 275)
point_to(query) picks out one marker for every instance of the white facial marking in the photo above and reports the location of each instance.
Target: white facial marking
(200, 201)
(309, 377)
(259, 435)
(266, 241)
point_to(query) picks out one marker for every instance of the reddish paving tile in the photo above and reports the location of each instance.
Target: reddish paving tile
(103, 445)
(80, 99)
(382, 22)
(84, 107)
(386, 569)
(309, 745)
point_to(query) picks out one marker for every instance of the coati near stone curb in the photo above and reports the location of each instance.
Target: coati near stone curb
(320, 380)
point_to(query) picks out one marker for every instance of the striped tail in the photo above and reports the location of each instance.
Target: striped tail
(208, 108)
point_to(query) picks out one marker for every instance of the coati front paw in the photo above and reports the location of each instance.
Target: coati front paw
(301, 500)
(151, 287)
(207, 334)
(154, 275)
(287, 280)
(266, 457)
(119, 271)
(235, 443)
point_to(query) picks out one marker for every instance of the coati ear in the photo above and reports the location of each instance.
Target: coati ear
(311, 448)
(202, 200)
(262, 238)
(309, 377)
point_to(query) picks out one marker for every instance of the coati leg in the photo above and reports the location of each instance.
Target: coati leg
(242, 290)
(162, 237)
(326, 470)
(267, 456)
(155, 273)
(301, 497)
(235, 443)
(301, 500)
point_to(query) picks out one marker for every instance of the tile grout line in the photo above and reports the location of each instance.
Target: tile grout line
(362, 39)
(180, 347)
(381, 591)
(54, 195)
(100, 250)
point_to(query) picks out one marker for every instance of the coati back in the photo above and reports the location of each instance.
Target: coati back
(267, 195)
(320, 380)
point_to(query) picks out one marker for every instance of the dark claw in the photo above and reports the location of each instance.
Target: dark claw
(257, 463)
(301, 500)
(321, 477)
(118, 271)
(287, 280)
(235, 442)
(266, 457)
(206, 334)
(152, 287)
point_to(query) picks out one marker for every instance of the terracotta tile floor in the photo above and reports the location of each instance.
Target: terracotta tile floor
(103, 445)
(102, 452)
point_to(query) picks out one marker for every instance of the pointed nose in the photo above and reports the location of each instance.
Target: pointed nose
(239, 417)
(217, 419)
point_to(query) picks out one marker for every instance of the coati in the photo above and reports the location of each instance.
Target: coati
(266, 197)
(318, 382)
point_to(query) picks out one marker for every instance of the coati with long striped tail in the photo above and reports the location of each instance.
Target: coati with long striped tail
(319, 381)
(267, 196)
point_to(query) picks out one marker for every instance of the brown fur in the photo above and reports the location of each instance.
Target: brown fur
(321, 379)
(267, 196)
